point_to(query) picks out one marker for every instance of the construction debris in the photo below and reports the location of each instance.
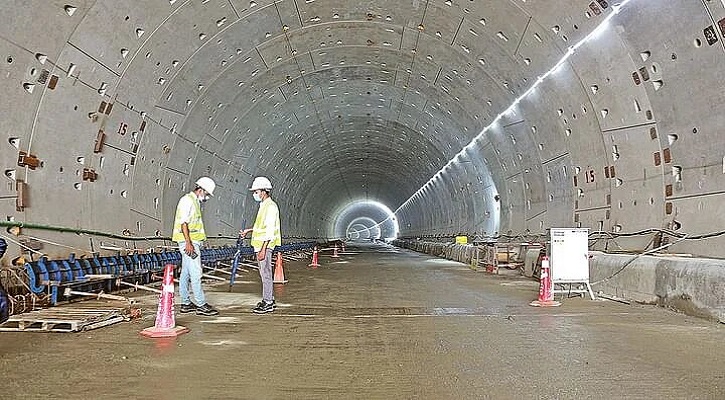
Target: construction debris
(60, 319)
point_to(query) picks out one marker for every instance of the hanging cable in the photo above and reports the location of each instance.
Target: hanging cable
(630, 261)
(56, 244)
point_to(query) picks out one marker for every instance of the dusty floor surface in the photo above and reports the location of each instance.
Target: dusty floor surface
(380, 324)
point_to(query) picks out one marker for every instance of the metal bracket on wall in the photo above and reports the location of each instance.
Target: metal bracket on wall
(21, 201)
(100, 141)
(53, 82)
(105, 108)
(28, 160)
(89, 175)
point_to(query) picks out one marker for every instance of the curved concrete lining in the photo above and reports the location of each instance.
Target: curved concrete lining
(425, 107)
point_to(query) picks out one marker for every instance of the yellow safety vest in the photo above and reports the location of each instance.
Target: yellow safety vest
(259, 226)
(196, 225)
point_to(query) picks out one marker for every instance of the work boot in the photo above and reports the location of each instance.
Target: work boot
(207, 310)
(263, 308)
(187, 308)
(262, 303)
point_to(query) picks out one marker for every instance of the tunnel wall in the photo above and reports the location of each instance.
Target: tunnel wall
(618, 139)
(109, 118)
(457, 252)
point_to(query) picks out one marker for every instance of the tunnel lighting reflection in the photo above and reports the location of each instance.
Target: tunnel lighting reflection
(365, 219)
(363, 228)
(596, 32)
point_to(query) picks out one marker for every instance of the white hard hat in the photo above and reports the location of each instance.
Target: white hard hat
(206, 184)
(261, 182)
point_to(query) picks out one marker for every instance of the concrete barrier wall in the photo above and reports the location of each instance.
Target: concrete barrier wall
(457, 252)
(694, 286)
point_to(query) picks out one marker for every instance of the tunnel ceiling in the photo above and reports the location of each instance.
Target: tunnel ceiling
(350, 101)
(121, 105)
(335, 102)
(346, 101)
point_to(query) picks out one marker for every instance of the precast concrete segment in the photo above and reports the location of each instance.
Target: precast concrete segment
(119, 110)
(381, 324)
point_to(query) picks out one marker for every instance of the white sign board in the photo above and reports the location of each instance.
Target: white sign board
(569, 255)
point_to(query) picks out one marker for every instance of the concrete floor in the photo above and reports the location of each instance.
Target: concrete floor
(381, 324)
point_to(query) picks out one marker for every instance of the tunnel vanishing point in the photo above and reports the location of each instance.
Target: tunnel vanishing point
(420, 120)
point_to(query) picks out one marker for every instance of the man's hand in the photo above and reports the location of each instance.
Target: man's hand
(189, 249)
(261, 255)
(243, 232)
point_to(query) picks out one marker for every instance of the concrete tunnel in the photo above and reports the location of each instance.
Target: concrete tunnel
(417, 120)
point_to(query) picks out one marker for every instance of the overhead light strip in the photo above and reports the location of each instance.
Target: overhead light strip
(616, 8)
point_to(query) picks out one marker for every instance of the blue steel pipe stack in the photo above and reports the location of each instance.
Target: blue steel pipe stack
(54, 276)
(46, 275)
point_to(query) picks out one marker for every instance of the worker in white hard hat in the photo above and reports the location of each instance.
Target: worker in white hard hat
(265, 237)
(189, 234)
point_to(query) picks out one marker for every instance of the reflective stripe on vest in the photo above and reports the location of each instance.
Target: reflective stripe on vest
(195, 224)
(259, 228)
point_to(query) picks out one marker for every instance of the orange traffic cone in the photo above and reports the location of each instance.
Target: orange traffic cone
(165, 323)
(315, 262)
(279, 270)
(334, 253)
(546, 296)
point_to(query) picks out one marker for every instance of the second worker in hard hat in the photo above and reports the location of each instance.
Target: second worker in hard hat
(189, 234)
(265, 237)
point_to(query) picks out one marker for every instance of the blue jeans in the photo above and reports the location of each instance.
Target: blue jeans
(265, 272)
(191, 271)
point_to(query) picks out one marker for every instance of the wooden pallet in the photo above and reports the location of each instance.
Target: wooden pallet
(61, 319)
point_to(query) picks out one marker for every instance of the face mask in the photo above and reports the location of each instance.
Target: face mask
(257, 197)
